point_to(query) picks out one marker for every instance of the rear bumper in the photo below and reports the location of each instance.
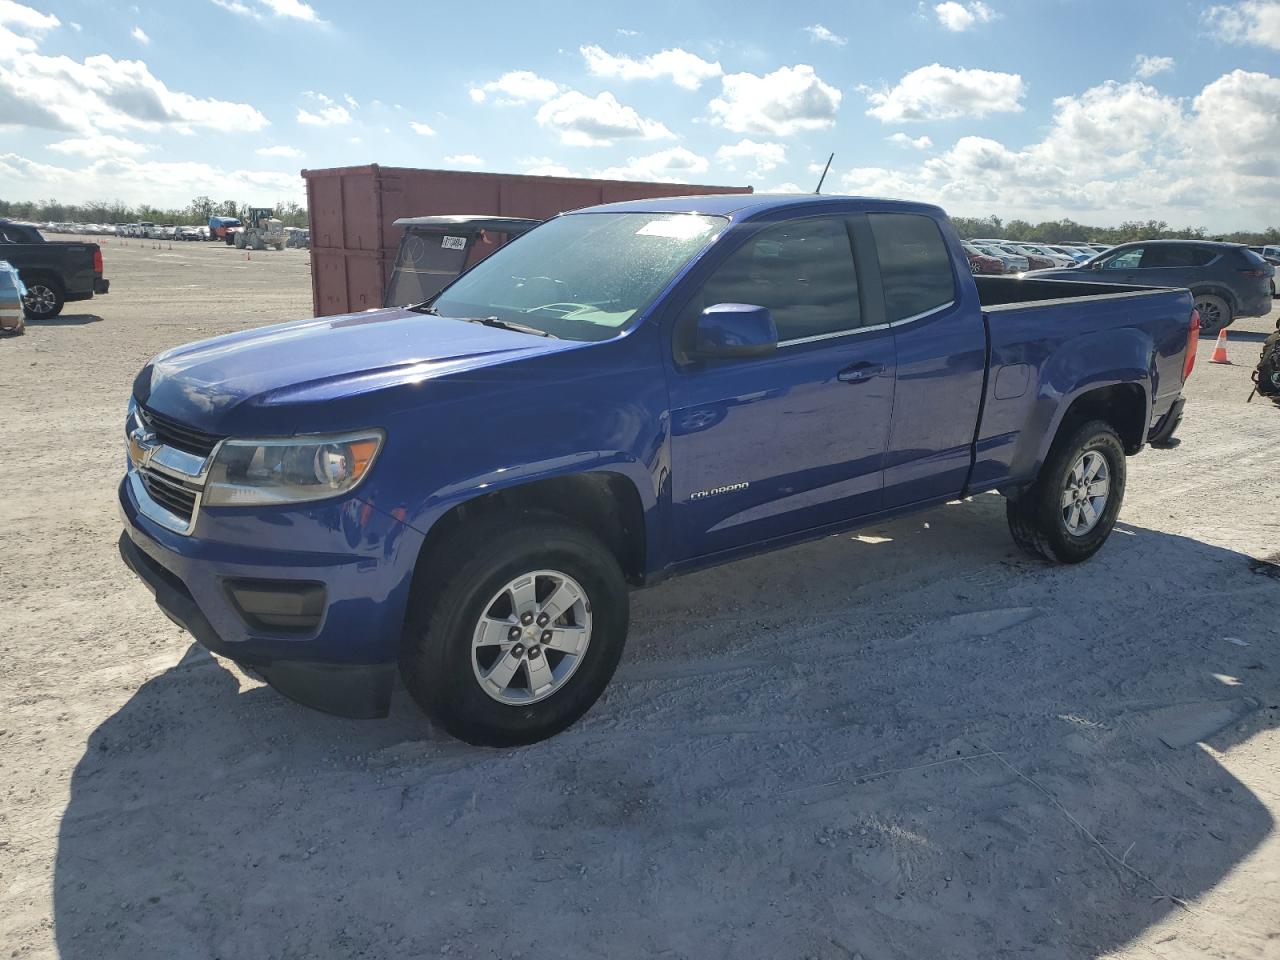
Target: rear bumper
(101, 286)
(1167, 425)
(1258, 305)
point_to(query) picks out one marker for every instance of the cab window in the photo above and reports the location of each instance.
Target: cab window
(803, 271)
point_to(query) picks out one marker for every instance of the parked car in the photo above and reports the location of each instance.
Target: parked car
(465, 491)
(219, 227)
(187, 233)
(1075, 254)
(12, 291)
(1272, 256)
(54, 272)
(1013, 262)
(1043, 258)
(1035, 261)
(434, 250)
(1228, 280)
(982, 263)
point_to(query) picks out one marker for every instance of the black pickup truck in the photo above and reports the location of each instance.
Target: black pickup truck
(54, 272)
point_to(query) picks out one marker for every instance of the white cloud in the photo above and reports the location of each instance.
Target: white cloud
(597, 121)
(26, 21)
(787, 187)
(161, 183)
(756, 159)
(329, 114)
(285, 9)
(325, 117)
(280, 150)
(1237, 123)
(545, 167)
(140, 35)
(26, 18)
(516, 87)
(1254, 22)
(674, 165)
(1117, 151)
(75, 26)
(1145, 67)
(820, 34)
(100, 145)
(959, 17)
(465, 160)
(421, 129)
(684, 69)
(787, 101)
(936, 92)
(102, 93)
(902, 140)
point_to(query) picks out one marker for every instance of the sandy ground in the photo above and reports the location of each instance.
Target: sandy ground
(909, 743)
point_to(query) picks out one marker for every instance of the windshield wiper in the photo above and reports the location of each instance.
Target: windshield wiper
(509, 325)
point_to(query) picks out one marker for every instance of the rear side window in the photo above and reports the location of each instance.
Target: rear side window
(914, 267)
(803, 271)
(1177, 255)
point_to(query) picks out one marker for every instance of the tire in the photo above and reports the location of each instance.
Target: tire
(1038, 519)
(44, 300)
(239, 241)
(463, 584)
(1215, 313)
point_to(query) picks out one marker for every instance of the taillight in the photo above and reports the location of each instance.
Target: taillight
(1193, 340)
(97, 261)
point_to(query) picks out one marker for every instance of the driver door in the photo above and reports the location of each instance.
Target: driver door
(770, 446)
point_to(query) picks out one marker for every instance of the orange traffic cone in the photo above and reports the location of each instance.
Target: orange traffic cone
(1220, 349)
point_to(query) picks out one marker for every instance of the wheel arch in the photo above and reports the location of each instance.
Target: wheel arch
(1217, 290)
(606, 502)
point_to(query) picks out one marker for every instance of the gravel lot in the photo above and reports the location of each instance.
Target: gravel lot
(908, 743)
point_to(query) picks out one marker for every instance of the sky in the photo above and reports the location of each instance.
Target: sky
(1100, 111)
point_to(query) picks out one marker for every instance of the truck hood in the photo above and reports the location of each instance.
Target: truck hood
(328, 358)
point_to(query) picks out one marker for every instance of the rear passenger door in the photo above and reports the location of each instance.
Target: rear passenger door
(941, 348)
(769, 446)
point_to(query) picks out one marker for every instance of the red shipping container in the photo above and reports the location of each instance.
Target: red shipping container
(352, 211)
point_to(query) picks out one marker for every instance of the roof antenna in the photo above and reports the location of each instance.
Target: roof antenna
(818, 189)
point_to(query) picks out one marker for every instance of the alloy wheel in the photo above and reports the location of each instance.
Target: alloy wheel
(1084, 494)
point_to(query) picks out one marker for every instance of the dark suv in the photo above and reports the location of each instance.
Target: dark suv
(1228, 280)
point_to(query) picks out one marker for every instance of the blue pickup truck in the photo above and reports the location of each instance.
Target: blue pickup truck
(461, 493)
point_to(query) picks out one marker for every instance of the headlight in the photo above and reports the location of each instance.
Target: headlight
(292, 470)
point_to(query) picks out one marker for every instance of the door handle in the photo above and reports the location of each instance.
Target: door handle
(860, 372)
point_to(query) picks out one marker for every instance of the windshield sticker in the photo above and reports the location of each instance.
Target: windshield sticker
(676, 228)
(454, 243)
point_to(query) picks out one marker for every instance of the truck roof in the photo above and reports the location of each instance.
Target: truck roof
(739, 206)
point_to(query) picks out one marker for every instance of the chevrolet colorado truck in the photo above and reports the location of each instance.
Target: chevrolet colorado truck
(461, 493)
(54, 272)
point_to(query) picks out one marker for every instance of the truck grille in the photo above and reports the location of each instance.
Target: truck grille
(170, 494)
(171, 433)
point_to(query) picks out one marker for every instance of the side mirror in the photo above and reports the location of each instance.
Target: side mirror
(734, 331)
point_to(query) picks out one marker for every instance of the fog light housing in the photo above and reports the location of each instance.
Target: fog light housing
(278, 606)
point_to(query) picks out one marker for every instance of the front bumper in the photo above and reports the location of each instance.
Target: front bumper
(364, 559)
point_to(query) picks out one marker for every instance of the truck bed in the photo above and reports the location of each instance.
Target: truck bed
(1006, 293)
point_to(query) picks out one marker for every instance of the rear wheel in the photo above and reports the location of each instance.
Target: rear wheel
(44, 299)
(1071, 509)
(1215, 313)
(514, 629)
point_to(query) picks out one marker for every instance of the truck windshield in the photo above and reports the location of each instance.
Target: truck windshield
(582, 276)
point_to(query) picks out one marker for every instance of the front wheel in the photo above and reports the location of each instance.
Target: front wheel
(1071, 509)
(514, 629)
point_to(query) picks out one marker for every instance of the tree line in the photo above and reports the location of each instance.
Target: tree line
(1058, 231)
(198, 211)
